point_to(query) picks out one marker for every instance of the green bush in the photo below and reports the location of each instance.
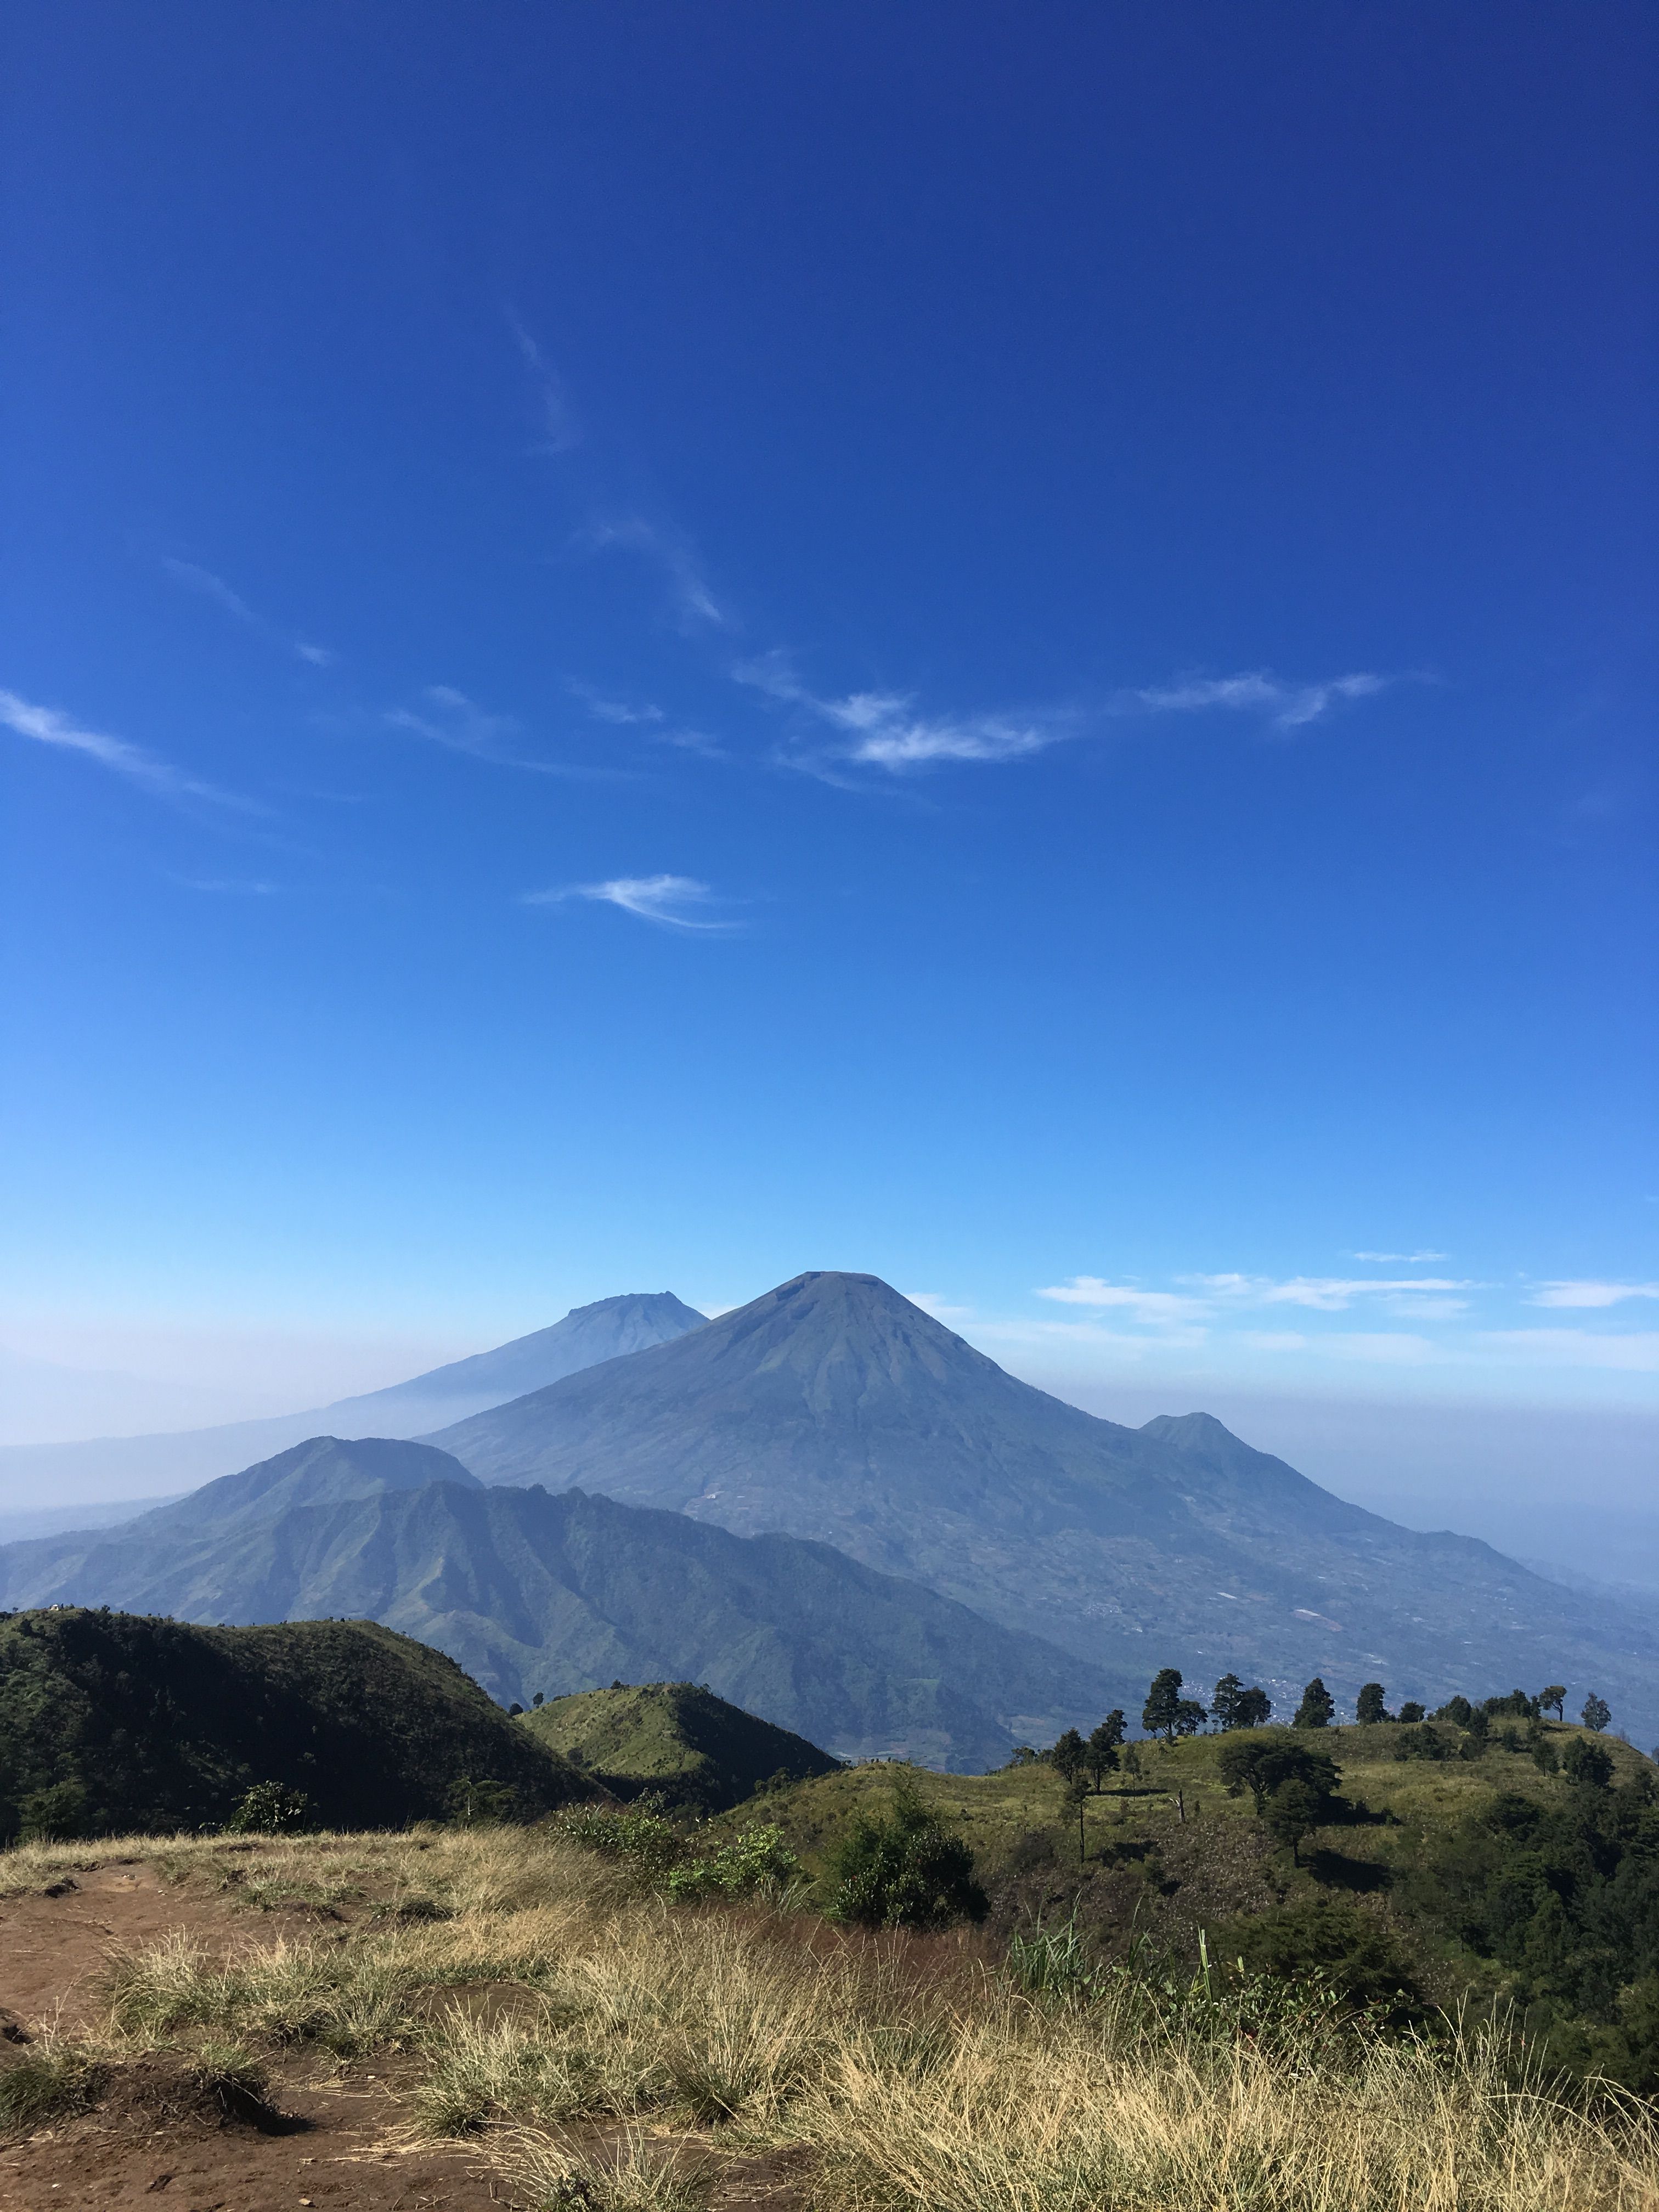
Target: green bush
(270, 1809)
(636, 1834)
(910, 1871)
(52, 1815)
(1328, 1941)
(758, 1864)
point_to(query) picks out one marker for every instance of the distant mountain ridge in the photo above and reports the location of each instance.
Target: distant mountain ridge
(530, 1592)
(608, 1328)
(834, 1409)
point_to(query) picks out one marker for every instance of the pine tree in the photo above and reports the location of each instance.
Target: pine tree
(1316, 1707)
(1223, 1709)
(1596, 1714)
(1102, 1747)
(1371, 1707)
(1254, 1709)
(1070, 1755)
(1159, 1714)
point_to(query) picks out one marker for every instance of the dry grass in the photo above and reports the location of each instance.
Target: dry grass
(578, 2020)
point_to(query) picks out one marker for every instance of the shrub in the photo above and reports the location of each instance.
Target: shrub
(53, 1815)
(1328, 1940)
(639, 1834)
(906, 1872)
(1588, 1765)
(271, 1808)
(758, 1862)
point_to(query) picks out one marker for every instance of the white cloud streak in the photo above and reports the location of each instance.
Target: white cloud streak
(675, 902)
(1581, 1294)
(1286, 705)
(694, 604)
(560, 430)
(1402, 1259)
(209, 586)
(460, 725)
(46, 725)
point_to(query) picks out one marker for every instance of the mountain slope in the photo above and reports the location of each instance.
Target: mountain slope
(833, 1408)
(112, 1466)
(150, 1725)
(531, 1592)
(675, 1739)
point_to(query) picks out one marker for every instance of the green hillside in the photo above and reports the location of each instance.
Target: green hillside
(113, 1722)
(1473, 1875)
(677, 1739)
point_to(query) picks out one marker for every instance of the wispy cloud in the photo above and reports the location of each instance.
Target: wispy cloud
(694, 604)
(1286, 704)
(560, 429)
(885, 730)
(1402, 1259)
(1635, 1351)
(460, 725)
(678, 902)
(1583, 1294)
(1430, 1296)
(209, 586)
(1141, 1306)
(48, 726)
(619, 712)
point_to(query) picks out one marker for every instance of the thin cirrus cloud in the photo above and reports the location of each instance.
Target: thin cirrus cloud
(560, 430)
(1402, 1259)
(674, 901)
(207, 585)
(694, 602)
(886, 731)
(459, 725)
(1285, 705)
(1423, 1298)
(1591, 1294)
(46, 725)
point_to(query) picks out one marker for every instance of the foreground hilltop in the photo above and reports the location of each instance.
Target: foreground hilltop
(835, 1409)
(110, 1723)
(675, 1740)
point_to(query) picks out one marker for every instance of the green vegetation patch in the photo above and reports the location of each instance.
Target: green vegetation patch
(677, 1740)
(118, 1723)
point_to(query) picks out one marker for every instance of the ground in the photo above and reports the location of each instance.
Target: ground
(336, 2134)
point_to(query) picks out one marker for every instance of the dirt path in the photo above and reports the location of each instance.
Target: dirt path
(155, 2140)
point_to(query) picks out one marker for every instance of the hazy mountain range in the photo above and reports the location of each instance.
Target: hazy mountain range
(532, 1592)
(838, 1514)
(140, 1467)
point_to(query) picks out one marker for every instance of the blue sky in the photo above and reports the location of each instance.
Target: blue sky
(647, 647)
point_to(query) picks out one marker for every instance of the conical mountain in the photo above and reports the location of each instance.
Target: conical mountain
(140, 1466)
(833, 1408)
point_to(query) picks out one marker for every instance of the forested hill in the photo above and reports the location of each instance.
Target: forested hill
(112, 1723)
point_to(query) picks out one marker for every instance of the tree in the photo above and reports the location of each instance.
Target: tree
(1102, 1747)
(539, 1698)
(1223, 1709)
(1370, 1707)
(1070, 1755)
(906, 1872)
(1316, 1707)
(1411, 1711)
(1254, 1709)
(1294, 1810)
(1554, 1694)
(1188, 1716)
(1260, 1759)
(1157, 1714)
(1596, 1713)
(1588, 1764)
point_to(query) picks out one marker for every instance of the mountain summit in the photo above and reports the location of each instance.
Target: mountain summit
(834, 1408)
(112, 1467)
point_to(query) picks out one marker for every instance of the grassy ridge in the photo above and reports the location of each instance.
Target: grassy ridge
(677, 1739)
(113, 1722)
(605, 2050)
